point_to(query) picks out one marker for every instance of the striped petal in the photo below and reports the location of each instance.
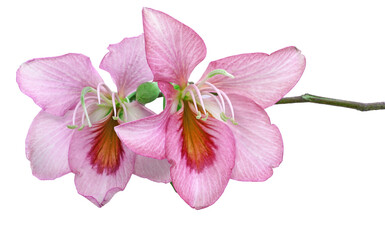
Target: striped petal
(153, 169)
(262, 77)
(47, 145)
(146, 136)
(202, 157)
(127, 64)
(101, 163)
(172, 49)
(259, 146)
(55, 83)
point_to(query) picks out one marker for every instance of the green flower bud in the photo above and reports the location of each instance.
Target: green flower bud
(147, 92)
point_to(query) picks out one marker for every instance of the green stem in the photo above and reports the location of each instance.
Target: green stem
(333, 102)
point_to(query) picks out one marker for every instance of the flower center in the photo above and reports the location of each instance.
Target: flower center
(208, 91)
(106, 148)
(91, 99)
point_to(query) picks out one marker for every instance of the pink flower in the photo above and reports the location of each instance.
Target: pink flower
(216, 129)
(101, 163)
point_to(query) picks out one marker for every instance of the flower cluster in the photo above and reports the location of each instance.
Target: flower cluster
(209, 132)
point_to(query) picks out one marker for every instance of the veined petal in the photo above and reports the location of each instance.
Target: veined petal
(146, 136)
(55, 83)
(259, 146)
(47, 145)
(127, 64)
(137, 111)
(173, 49)
(154, 169)
(202, 156)
(264, 78)
(101, 163)
(168, 91)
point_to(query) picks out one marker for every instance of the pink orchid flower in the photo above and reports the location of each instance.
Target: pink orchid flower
(216, 129)
(71, 93)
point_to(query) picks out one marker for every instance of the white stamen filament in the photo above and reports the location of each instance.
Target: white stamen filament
(218, 92)
(77, 107)
(213, 73)
(124, 109)
(83, 115)
(228, 102)
(207, 93)
(98, 90)
(200, 98)
(113, 103)
(195, 103)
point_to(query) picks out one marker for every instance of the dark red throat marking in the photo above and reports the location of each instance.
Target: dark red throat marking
(198, 145)
(106, 149)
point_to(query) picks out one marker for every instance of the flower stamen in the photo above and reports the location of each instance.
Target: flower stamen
(199, 114)
(230, 106)
(218, 92)
(200, 97)
(124, 110)
(98, 90)
(193, 98)
(113, 103)
(215, 72)
(82, 125)
(222, 95)
(77, 107)
(84, 92)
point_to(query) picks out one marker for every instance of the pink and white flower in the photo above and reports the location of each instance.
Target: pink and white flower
(216, 129)
(73, 96)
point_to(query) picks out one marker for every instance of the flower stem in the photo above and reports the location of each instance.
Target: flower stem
(333, 102)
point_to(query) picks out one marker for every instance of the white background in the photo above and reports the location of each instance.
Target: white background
(332, 180)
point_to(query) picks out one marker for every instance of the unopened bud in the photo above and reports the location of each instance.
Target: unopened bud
(147, 92)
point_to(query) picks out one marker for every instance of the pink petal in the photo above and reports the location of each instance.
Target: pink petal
(258, 142)
(202, 155)
(127, 64)
(264, 78)
(137, 111)
(47, 145)
(168, 91)
(173, 49)
(147, 136)
(55, 83)
(154, 169)
(96, 178)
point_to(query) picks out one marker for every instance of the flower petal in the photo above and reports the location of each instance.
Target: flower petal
(168, 91)
(173, 49)
(101, 163)
(47, 145)
(264, 78)
(127, 64)
(146, 136)
(137, 111)
(55, 83)
(259, 146)
(154, 169)
(202, 156)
